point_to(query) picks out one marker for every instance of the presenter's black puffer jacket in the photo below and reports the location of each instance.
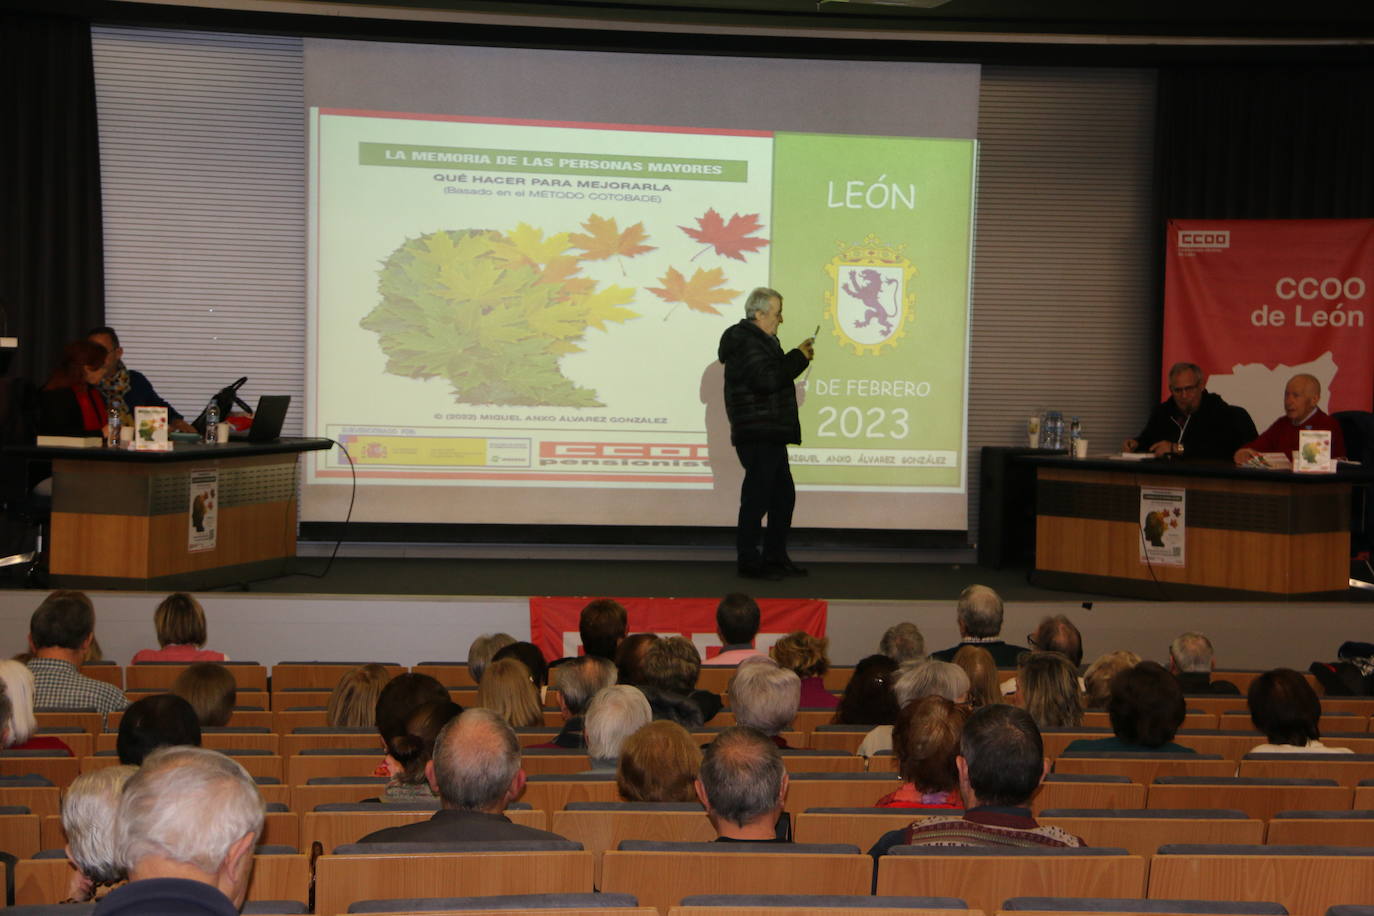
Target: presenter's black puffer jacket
(760, 397)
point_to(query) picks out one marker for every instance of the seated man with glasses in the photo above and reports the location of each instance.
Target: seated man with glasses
(1194, 422)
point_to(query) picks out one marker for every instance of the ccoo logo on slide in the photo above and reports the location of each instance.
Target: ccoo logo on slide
(869, 299)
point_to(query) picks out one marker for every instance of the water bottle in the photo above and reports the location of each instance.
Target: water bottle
(211, 421)
(1052, 430)
(114, 422)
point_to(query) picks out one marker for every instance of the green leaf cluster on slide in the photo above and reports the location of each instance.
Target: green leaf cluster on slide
(493, 312)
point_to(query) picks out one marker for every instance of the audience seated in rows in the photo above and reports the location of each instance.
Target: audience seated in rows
(160, 720)
(867, 698)
(17, 721)
(1048, 689)
(806, 655)
(737, 623)
(88, 815)
(743, 786)
(181, 633)
(925, 678)
(476, 772)
(1001, 763)
(1285, 708)
(658, 763)
(1097, 680)
(408, 754)
(185, 831)
(211, 691)
(903, 642)
(508, 689)
(764, 697)
(1146, 709)
(925, 738)
(977, 663)
(613, 715)
(579, 680)
(1192, 660)
(353, 702)
(668, 677)
(1053, 634)
(60, 632)
(481, 651)
(979, 616)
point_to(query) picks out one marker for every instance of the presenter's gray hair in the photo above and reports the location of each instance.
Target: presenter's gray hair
(476, 757)
(613, 716)
(980, 611)
(1176, 368)
(88, 820)
(742, 774)
(581, 679)
(764, 696)
(1191, 652)
(903, 642)
(186, 804)
(930, 678)
(759, 301)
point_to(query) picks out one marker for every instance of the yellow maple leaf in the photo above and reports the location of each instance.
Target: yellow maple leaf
(530, 243)
(699, 294)
(605, 305)
(603, 239)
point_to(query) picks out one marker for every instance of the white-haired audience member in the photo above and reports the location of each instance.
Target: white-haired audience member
(481, 651)
(476, 772)
(925, 678)
(578, 681)
(88, 815)
(17, 721)
(185, 830)
(903, 642)
(979, 616)
(1191, 661)
(765, 696)
(743, 786)
(613, 715)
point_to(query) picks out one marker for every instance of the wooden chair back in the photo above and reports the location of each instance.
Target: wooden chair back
(662, 879)
(1345, 772)
(247, 677)
(599, 831)
(450, 675)
(985, 881)
(1258, 801)
(1088, 795)
(60, 771)
(1145, 770)
(1318, 831)
(861, 830)
(316, 675)
(341, 880)
(1303, 883)
(1142, 836)
(92, 722)
(554, 794)
(278, 877)
(300, 769)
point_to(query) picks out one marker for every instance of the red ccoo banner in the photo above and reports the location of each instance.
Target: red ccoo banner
(1254, 302)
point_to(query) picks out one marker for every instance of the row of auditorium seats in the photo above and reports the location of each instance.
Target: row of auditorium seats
(658, 874)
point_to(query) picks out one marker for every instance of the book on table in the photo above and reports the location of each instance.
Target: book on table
(71, 441)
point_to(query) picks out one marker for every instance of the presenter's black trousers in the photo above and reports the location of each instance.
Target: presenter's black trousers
(767, 490)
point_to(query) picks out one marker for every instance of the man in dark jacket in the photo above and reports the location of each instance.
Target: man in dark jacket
(1193, 422)
(761, 402)
(125, 389)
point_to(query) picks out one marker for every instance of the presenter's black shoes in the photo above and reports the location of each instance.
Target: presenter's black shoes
(761, 571)
(785, 567)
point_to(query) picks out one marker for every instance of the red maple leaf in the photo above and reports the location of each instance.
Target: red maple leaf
(729, 239)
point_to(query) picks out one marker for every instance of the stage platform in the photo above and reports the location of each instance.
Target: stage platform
(409, 609)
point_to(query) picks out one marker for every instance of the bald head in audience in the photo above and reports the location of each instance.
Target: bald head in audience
(743, 784)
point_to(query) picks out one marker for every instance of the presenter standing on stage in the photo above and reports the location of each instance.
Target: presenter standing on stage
(761, 402)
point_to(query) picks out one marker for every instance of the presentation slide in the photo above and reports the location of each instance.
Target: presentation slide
(502, 303)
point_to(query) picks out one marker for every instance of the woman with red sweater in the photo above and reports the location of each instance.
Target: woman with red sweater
(70, 404)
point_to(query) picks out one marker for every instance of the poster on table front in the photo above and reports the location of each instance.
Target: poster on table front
(1163, 540)
(203, 528)
(1255, 302)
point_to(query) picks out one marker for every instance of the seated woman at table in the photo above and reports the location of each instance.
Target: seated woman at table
(180, 624)
(925, 739)
(17, 721)
(1285, 707)
(1146, 709)
(70, 404)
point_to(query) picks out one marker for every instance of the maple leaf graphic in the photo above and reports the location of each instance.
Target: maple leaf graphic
(603, 239)
(700, 294)
(729, 239)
